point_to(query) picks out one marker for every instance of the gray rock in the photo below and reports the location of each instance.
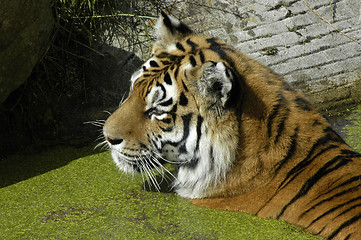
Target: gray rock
(25, 30)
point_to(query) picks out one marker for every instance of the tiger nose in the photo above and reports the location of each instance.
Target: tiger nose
(113, 141)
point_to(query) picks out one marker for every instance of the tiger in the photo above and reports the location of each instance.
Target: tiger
(240, 137)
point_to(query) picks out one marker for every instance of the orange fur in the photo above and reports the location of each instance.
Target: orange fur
(284, 160)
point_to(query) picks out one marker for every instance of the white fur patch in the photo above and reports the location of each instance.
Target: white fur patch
(147, 63)
(121, 160)
(226, 81)
(161, 29)
(140, 72)
(156, 96)
(215, 159)
(136, 75)
(171, 89)
(187, 67)
(159, 117)
(175, 22)
(172, 47)
(153, 97)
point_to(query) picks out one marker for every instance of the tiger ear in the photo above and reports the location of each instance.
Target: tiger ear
(217, 83)
(170, 30)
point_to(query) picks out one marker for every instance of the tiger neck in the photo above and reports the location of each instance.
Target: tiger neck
(211, 161)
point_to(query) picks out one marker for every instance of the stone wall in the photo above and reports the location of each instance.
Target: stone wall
(285, 35)
(291, 39)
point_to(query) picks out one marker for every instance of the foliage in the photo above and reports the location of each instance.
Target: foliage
(125, 22)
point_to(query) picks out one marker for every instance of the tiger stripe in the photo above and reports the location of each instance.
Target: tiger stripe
(240, 136)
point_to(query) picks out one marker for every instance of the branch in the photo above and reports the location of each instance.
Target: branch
(338, 30)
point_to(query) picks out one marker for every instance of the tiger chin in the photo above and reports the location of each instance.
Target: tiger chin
(240, 137)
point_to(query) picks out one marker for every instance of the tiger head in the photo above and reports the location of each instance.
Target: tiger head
(186, 106)
(182, 108)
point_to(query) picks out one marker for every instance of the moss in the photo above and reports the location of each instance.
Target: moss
(282, 4)
(56, 195)
(295, 29)
(307, 40)
(335, 101)
(249, 28)
(251, 33)
(267, 35)
(270, 50)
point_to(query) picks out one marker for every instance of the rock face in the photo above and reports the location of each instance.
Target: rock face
(107, 82)
(290, 38)
(25, 30)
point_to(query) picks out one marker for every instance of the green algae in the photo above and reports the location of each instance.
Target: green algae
(353, 129)
(56, 194)
(72, 193)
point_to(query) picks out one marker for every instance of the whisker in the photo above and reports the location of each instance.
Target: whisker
(99, 138)
(142, 174)
(122, 100)
(154, 163)
(146, 171)
(165, 170)
(149, 165)
(126, 159)
(107, 112)
(97, 123)
(151, 175)
(162, 158)
(121, 175)
(159, 168)
(102, 145)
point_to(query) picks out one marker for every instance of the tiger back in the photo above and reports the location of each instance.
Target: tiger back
(241, 138)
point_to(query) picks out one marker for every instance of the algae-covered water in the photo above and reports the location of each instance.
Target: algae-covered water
(88, 198)
(77, 193)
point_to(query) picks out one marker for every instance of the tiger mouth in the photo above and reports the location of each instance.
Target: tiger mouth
(141, 162)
